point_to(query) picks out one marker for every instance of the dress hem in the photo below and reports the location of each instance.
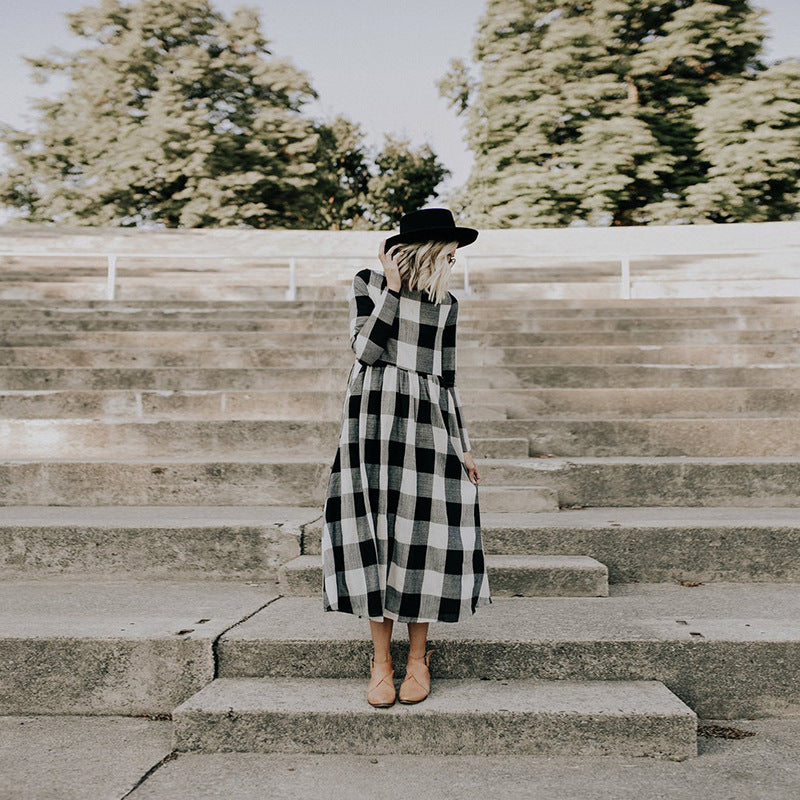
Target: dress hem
(482, 601)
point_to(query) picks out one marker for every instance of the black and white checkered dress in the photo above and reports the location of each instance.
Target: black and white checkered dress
(401, 534)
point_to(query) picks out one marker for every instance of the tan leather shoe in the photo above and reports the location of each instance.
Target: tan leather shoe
(381, 692)
(417, 684)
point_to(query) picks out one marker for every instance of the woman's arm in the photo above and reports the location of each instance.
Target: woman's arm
(449, 371)
(371, 322)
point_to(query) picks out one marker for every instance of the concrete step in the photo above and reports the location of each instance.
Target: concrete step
(83, 645)
(642, 287)
(726, 649)
(668, 376)
(652, 544)
(523, 498)
(283, 481)
(472, 318)
(90, 646)
(656, 481)
(562, 308)
(614, 481)
(509, 575)
(651, 403)
(729, 437)
(337, 324)
(110, 404)
(490, 438)
(498, 446)
(739, 355)
(251, 543)
(331, 715)
(87, 756)
(309, 338)
(334, 307)
(712, 354)
(89, 438)
(153, 288)
(608, 306)
(295, 404)
(152, 542)
(648, 544)
(332, 303)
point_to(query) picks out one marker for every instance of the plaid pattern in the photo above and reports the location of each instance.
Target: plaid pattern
(401, 536)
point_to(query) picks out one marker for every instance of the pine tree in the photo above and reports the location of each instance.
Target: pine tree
(584, 110)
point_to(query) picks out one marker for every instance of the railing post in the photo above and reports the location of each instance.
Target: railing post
(111, 279)
(625, 277)
(467, 290)
(291, 292)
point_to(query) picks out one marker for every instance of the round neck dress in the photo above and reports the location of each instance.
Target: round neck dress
(401, 536)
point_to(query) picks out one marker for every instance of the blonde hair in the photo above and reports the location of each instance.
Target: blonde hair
(423, 266)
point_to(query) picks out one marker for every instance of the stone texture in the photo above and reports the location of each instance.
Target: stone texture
(330, 715)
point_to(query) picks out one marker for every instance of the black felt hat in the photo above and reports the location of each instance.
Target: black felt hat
(431, 223)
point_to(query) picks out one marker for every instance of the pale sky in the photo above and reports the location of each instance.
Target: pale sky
(374, 61)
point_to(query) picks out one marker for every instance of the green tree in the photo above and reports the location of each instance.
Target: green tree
(343, 175)
(367, 189)
(584, 110)
(406, 179)
(750, 142)
(173, 115)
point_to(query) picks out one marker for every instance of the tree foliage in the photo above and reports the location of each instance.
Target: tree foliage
(175, 115)
(750, 140)
(592, 111)
(403, 181)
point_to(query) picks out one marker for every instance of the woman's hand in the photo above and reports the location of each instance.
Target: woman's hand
(390, 268)
(469, 463)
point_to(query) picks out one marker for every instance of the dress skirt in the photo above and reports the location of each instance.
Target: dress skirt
(401, 534)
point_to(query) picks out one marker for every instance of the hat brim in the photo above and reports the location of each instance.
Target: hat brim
(463, 236)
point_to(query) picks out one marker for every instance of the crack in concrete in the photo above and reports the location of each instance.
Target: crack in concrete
(215, 642)
(173, 754)
(303, 533)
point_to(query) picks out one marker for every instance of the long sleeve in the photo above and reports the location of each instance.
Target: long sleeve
(371, 322)
(449, 371)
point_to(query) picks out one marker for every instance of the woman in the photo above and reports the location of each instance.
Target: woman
(401, 534)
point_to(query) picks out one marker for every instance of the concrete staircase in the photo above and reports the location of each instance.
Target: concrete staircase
(163, 468)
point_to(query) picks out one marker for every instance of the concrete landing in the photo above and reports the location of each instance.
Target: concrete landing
(55, 757)
(74, 758)
(759, 767)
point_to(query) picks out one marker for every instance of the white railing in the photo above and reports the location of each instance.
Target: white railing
(623, 259)
(113, 258)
